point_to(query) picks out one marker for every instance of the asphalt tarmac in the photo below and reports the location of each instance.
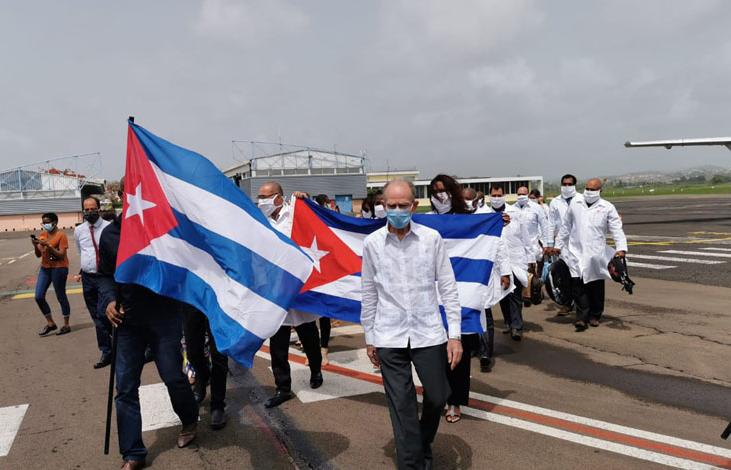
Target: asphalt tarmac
(648, 388)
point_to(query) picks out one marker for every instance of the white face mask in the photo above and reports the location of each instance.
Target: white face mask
(365, 214)
(522, 200)
(267, 206)
(497, 201)
(442, 202)
(379, 211)
(568, 191)
(470, 204)
(591, 196)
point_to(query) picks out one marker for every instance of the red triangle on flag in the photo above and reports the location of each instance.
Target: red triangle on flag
(333, 258)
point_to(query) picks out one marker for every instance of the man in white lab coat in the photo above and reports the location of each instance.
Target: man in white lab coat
(556, 211)
(536, 224)
(583, 246)
(517, 245)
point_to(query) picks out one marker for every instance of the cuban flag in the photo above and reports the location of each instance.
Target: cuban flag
(335, 244)
(189, 233)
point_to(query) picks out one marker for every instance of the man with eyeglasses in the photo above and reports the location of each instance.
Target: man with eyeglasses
(87, 236)
(270, 200)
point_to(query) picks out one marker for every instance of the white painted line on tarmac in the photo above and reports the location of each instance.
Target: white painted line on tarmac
(24, 255)
(649, 266)
(10, 419)
(675, 259)
(12, 261)
(697, 253)
(713, 248)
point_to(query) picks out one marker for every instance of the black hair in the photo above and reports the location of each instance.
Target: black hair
(50, 216)
(535, 192)
(454, 189)
(497, 186)
(322, 199)
(569, 175)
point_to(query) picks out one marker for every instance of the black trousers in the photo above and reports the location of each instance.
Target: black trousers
(279, 351)
(512, 307)
(413, 436)
(487, 340)
(196, 328)
(325, 328)
(459, 378)
(588, 297)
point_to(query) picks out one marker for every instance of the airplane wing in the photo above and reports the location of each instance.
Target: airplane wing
(668, 144)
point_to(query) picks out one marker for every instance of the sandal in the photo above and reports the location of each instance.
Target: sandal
(63, 330)
(453, 415)
(47, 329)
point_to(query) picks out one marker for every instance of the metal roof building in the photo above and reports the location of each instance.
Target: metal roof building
(339, 175)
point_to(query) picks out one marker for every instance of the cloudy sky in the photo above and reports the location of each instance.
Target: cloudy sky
(469, 87)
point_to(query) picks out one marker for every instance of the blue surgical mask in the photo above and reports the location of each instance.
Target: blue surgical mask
(48, 227)
(398, 218)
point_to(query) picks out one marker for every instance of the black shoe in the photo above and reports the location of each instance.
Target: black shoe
(47, 329)
(199, 391)
(580, 326)
(516, 334)
(278, 398)
(218, 419)
(486, 364)
(316, 380)
(148, 355)
(104, 361)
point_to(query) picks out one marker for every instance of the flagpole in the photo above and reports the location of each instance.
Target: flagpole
(110, 394)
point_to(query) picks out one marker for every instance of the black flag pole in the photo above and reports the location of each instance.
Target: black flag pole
(110, 394)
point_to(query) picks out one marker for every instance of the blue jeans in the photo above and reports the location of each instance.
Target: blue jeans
(57, 276)
(92, 286)
(161, 330)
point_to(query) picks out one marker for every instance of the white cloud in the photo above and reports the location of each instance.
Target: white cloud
(515, 76)
(249, 21)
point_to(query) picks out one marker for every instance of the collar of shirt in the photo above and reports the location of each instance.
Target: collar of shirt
(413, 232)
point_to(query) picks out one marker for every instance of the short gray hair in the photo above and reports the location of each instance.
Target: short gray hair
(401, 180)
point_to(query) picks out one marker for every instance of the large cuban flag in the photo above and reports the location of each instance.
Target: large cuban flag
(335, 244)
(189, 233)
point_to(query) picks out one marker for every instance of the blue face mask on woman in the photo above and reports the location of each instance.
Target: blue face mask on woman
(398, 218)
(48, 227)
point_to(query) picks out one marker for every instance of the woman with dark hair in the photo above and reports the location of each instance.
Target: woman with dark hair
(446, 196)
(373, 207)
(51, 246)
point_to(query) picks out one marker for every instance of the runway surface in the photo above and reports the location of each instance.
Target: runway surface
(648, 388)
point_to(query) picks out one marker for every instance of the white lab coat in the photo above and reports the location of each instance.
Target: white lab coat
(556, 212)
(517, 242)
(583, 232)
(283, 224)
(536, 225)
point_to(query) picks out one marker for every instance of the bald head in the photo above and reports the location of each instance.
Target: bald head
(400, 194)
(271, 188)
(594, 184)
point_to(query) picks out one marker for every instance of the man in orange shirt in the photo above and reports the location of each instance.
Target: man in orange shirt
(51, 246)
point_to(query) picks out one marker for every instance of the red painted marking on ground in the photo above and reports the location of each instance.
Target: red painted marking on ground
(557, 423)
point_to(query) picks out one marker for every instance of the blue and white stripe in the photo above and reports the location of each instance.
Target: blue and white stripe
(471, 241)
(223, 257)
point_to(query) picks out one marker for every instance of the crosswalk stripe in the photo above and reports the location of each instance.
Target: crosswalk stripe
(635, 264)
(677, 260)
(713, 248)
(10, 419)
(697, 253)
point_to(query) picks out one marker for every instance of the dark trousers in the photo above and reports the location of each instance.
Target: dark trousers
(325, 328)
(279, 351)
(57, 276)
(487, 339)
(414, 436)
(512, 307)
(196, 328)
(161, 330)
(92, 285)
(459, 377)
(588, 297)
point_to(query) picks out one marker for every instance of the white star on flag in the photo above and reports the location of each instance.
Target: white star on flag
(315, 253)
(136, 205)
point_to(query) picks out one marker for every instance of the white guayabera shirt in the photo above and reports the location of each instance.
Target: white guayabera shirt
(400, 279)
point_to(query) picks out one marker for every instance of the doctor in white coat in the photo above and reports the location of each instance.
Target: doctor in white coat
(583, 246)
(517, 245)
